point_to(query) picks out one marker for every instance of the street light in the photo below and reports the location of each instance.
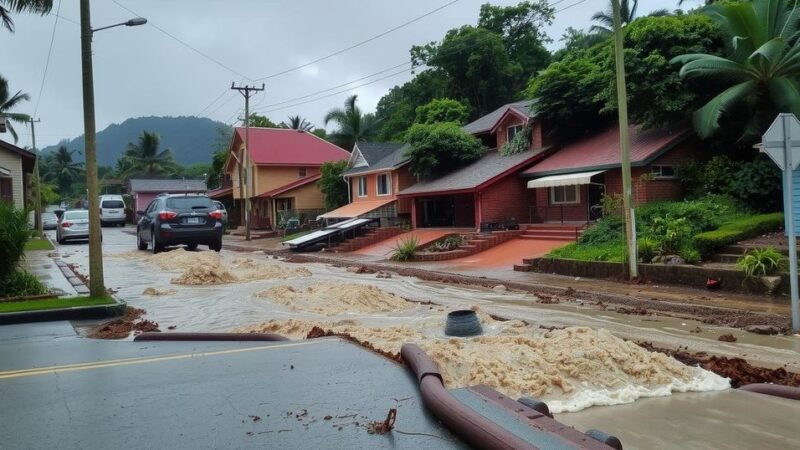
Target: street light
(96, 283)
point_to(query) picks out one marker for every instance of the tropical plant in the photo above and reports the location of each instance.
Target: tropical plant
(41, 7)
(627, 12)
(7, 103)
(297, 123)
(331, 184)
(14, 233)
(440, 147)
(146, 159)
(404, 250)
(442, 110)
(61, 169)
(759, 78)
(760, 262)
(353, 124)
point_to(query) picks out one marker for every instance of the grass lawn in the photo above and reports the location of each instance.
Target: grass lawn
(296, 235)
(53, 303)
(38, 244)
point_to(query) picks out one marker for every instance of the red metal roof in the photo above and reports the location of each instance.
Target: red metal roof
(287, 147)
(601, 151)
(221, 192)
(290, 186)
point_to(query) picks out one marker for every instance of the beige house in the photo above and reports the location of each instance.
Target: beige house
(16, 166)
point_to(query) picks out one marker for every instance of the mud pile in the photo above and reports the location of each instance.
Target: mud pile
(156, 292)
(336, 298)
(121, 328)
(571, 368)
(250, 270)
(201, 274)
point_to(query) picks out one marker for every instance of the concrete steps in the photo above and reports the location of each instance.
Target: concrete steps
(552, 232)
(370, 237)
(726, 258)
(476, 243)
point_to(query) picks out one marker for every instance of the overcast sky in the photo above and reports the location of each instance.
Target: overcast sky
(141, 71)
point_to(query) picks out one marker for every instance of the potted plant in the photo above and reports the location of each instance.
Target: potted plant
(763, 264)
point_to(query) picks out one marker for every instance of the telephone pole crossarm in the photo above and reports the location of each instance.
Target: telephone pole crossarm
(245, 177)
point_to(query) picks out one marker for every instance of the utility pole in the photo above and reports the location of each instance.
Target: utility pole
(624, 144)
(37, 201)
(96, 283)
(246, 92)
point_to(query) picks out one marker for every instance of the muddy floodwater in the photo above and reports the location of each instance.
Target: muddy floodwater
(204, 291)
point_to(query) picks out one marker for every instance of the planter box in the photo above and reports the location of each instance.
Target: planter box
(75, 313)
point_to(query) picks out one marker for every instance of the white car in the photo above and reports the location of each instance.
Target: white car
(112, 210)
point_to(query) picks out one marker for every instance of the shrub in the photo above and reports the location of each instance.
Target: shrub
(648, 248)
(20, 283)
(447, 244)
(690, 254)
(608, 251)
(14, 233)
(737, 230)
(404, 250)
(521, 142)
(760, 262)
(440, 147)
(607, 229)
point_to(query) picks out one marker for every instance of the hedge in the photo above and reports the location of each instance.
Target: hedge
(730, 233)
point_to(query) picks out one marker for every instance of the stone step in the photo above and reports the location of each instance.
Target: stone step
(729, 258)
(550, 233)
(548, 238)
(523, 268)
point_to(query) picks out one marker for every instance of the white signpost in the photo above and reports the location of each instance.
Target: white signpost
(782, 143)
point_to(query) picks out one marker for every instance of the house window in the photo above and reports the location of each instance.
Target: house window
(512, 131)
(663, 172)
(362, 186)
(384, 184)
(6, 190)
(302, 172)
(563, 195)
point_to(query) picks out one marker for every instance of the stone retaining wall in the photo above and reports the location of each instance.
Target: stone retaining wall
(476, 243)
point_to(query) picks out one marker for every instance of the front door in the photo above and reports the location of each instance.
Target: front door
(595, 200)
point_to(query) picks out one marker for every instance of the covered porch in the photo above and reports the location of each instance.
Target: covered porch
(455, 210)
(568, 198)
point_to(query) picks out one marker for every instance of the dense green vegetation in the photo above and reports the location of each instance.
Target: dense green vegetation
(14, 235)
(690, 229)
(332, 185)
(353, 125)
(53, 303)
(439, 147)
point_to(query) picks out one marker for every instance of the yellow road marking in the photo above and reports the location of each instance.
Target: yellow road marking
(131, 361)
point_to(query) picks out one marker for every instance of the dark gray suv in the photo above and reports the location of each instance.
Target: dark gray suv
(180, 219)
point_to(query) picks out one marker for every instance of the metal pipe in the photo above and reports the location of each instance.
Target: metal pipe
(269, 337)
(777, 390)
(462, 420)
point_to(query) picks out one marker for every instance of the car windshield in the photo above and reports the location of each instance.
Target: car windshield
(82, 214)
(189, 203)
(112, 204)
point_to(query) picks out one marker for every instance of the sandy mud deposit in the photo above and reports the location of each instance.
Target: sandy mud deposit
(571, 369)
(208, 267)
(336, 298)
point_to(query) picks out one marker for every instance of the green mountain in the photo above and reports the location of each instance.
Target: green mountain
(191, 139)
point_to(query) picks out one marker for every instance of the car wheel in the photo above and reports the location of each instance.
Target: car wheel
(191, 246)
(142, 245)
(155, 248)
(216, 246)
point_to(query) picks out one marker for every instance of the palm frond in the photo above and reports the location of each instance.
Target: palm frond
(706, 119)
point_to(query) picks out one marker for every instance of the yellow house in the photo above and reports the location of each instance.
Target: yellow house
(284, 164)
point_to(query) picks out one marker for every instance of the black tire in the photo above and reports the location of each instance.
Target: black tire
(191, 246)
(216, 246)
(139, 242)
(59, 240)
(156, 247)
(102, 224)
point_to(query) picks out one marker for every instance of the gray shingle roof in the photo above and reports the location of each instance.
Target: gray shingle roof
(375, 151)
(155, 185)
(391, 159)
(470, 177)
(485, 123)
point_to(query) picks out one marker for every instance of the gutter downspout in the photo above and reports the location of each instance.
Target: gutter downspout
(462, 420)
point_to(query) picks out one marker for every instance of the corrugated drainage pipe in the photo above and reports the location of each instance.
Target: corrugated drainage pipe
(778, 390)
(462, 420)
(209, 337)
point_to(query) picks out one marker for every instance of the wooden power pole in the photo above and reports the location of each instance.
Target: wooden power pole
(624, 144)
(37, 199)
(244, 163)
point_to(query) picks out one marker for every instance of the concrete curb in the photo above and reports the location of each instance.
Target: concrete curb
(74, 313)
(71, 277)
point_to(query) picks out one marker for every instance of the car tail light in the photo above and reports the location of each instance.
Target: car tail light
(167, 215)
(66, 224)
(215, 214)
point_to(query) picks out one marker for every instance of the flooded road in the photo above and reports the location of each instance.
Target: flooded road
(224, 307)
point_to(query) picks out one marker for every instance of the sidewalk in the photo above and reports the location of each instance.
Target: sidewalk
(49, 271)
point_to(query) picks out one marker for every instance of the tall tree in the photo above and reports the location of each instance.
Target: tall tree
(146, 158)
(261, 121)
(331, 184)
(9, 102)
(60, 168)
(442, 110)
(627, 12)
(759, 78)
(353, 124)
(297, 123)
(18, 6)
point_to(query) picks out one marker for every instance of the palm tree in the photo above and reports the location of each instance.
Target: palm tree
(762, 70)
(7, 103)
(354, 126)
(17, 6)
(627, 12)
(61, 169)
(298, 123)
(145, 158)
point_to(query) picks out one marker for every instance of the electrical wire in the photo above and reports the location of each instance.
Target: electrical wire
(47, 62)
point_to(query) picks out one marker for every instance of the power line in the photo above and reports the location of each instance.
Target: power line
(358, 44)
(47, 62)
(67, 19)
(570, 6)
(175, 38)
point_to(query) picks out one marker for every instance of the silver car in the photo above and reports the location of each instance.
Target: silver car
(224, 212)
(74, 224)
(49, 221)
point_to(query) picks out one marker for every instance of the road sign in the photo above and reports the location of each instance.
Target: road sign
(782, 143)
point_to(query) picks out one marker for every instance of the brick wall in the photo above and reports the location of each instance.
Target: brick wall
(404, 180)
(505, 199)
